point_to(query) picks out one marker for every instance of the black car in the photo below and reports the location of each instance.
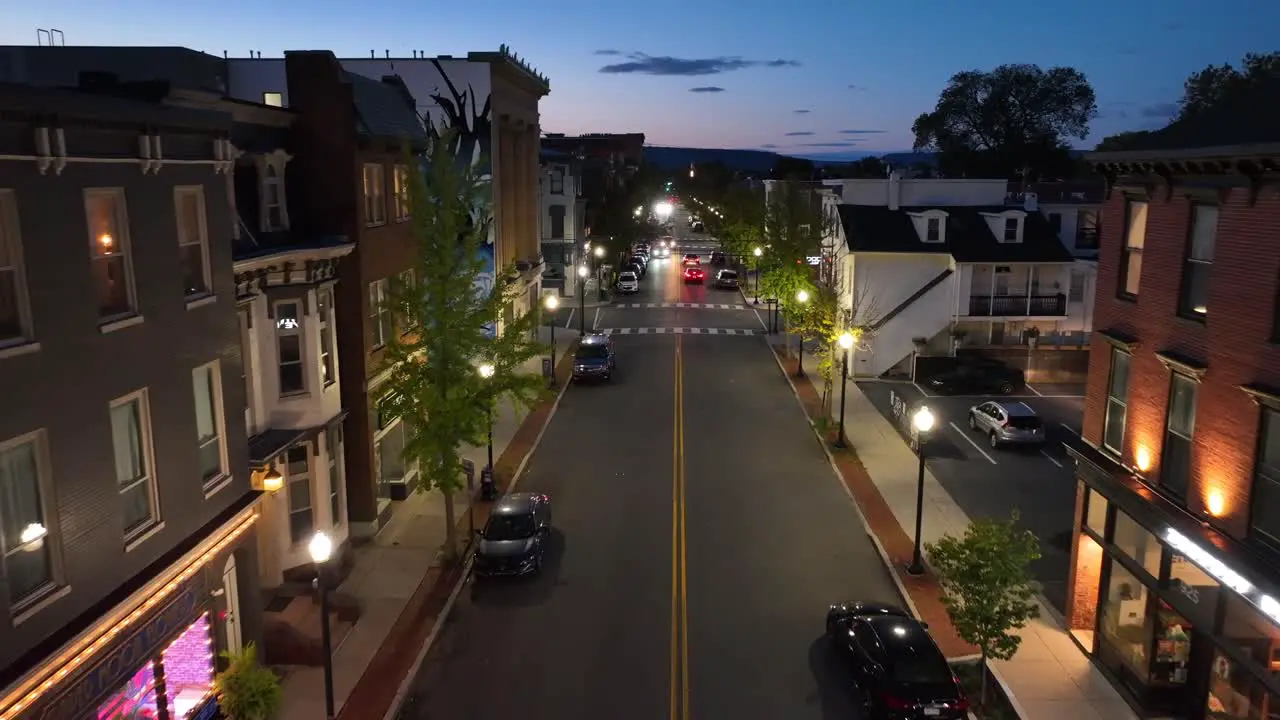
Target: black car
(977, 379)
(718, 258)
(639, 261)
(594, 359)
(899, 671)
(514, 541)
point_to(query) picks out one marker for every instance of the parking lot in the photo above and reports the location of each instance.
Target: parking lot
(986, 482)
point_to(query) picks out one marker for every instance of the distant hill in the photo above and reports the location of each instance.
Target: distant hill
(676, 158)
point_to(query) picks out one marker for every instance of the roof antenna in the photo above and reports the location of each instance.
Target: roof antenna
(387, 54)
(373, 55)
(224, 54)
(56, 37)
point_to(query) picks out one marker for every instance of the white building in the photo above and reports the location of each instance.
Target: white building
(936, 264)
(561, 221)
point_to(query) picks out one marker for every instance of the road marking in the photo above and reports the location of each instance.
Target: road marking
(1028, 407)
(1070, 429)
(679, 555)
(740, 332)
(1032, 389)
(975, 445)
(680, 306)
(1050, 458)
(596, 321)
(762, 324)
(569, 319)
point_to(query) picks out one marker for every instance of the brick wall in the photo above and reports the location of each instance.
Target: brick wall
(1234, 343)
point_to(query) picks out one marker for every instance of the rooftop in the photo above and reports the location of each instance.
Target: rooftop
(967, 236)
(385, 108)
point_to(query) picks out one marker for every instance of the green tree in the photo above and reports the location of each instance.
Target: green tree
(792, 168)
(986, 585)
(794, 230)
(1218, 85)
(1011, 122)
(739, 225)
(1122, 141)
(450, 320)
(245, 689)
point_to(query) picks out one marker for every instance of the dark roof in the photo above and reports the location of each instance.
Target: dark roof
(968, 237)
(1251, 118)
(269, 443)
(29, 100)
(385, 109)
(61, 66)
(261, 244)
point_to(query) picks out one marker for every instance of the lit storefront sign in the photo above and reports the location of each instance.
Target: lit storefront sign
(1223, 574)
(814, 259)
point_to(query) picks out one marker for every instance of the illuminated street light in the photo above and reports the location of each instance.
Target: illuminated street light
(582, 299)
(922, 422)
(552, 302)
(599, 252)
(845, 341)
(320, 548)
(802, 297)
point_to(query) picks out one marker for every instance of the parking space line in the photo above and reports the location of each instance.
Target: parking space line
(975, 445)
(1032, 389)
(922, 391)
(1050, 458)
(1070, 429)
(595, 322)
(569, 319)
(766, 327)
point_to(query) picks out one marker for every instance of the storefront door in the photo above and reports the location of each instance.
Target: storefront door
(1170, 661)
(231, 593)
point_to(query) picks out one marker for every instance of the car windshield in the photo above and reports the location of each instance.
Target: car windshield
(729, 274)
(509, 527)
(592, 352)
(1023, 422)
(627, 276)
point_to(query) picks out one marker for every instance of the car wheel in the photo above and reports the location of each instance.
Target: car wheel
(995, 440)
(1006, 388)
(973, 422)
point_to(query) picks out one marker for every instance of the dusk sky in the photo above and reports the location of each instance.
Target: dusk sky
(804, 77)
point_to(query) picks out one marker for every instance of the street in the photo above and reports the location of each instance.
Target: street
(700, 534)
(1038, 482)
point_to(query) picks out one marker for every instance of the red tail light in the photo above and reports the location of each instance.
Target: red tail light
(962, 704)
(893, 702)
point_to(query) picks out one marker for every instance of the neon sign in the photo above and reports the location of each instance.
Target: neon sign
(287, 323)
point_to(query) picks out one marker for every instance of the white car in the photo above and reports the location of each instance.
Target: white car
(628, 282)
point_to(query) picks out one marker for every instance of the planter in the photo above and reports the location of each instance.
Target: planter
(997, 706)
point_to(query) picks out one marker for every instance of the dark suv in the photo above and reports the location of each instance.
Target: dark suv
(514, 541)
(594, 359)
(977, 378)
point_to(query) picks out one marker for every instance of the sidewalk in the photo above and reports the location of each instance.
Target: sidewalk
(400, 583)
(1049, 678)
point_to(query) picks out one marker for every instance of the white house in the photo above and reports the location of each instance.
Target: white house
(933, 264)
(561, 221)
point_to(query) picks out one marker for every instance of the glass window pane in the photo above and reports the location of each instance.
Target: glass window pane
(1119, 385)
(137, 506)
(188, 668)
(1096, 513)
(1196, 280)
(1265, 511)
(1125, 625)
(1113, 433)
(206, 423)
(1182, 405)
(20, 503)
(111, 284)
(1204, 230)
(1136, 236)
(1269, 444)
(1198, 587)
(1235, 693)
(126, 438)
(1134, 540)
(137, 699)
(104, 232)
(287, 317)
(1133, 272)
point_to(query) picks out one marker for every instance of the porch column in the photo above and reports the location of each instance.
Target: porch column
(1031, 273)
(991, 307)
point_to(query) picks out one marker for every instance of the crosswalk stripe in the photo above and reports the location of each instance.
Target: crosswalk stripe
(681, 306)
(679, 331)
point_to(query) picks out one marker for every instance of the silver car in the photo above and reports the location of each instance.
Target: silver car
(514, 541)
(1012, 423)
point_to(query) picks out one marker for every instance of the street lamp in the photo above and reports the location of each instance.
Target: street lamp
(757, 252)
(552, 303)
(802, 297)
(486, 372)
(598, 252)
(582, 299)
(922, 422)
(321, 549)
(846, 343)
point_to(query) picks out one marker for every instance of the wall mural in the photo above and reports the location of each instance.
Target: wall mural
(471, 120)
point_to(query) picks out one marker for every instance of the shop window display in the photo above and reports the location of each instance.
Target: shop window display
(1126, 626)
(1139, 544)
(188, 679)
(1235, 694)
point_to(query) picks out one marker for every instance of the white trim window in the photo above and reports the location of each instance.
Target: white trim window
(933, 230)
(379, 312)
(28, 560)
(111, 261)
(375, 195)
(15, 308)
(274, 99)
(193, 240)
(289, 348)
(206, 384)
(273, 217)
(324, 313)
(1117, 415)
(400, 192)
(131, 442)
(302, 517)
(337, 479)
(1179, 436)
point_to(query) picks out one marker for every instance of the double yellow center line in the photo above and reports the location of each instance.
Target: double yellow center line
(679, 570)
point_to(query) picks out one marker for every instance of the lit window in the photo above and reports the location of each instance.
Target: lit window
(293, 379)
(274, 99)
(1117, 402)
(1194, 301)
(188, 669)
(207, 385)
(131, 442)
(1087, 227)
(379, 313)
(111, 262)
(325, 314)
(401, 191)
(333, 448)
(1135, 238)
(375, 201)
(408, 284)
(28, 563)
(193, 243)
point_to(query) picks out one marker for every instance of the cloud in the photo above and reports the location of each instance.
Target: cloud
(768, 145)
(831, 144)
(608, 52)
(801, 112)
(1162, 111)
(861, 132)
(643, 64)
(799, 134)
(859, 88)
(707, 89)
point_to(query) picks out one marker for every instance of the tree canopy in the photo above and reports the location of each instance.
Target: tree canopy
(1012, 120)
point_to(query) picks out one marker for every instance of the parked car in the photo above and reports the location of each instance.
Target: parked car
(695, 275)
(727, 279)
(1013, 423)
(977, 379)
(641, 262)
(594, 359)
(628, 282)
(718, 258)
(514, 540)
(897, 668)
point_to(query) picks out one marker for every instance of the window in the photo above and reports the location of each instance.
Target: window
(375, 200)
(933, 230)
(1135, 237)
(401, 179)
(1135, 541)
(272, 198)
(293, 379)
(1096, 513)
(379, 313)
(1087, 226)
(1264, 518)
(1117, 402)
(15, 319)
(1011, 230)
(131, 441)
(274, 99)
(333, 447)
(302, 521)
(1055, 224)
(206, 382)
(324, 306)
(1076, 291)
(557, 221)
(193, 240)
(109, 250)
(1126, 626)
(1195, 268)
(1175, 467)
(408, 283)
(28, 561)
(187, 679)
(557, 181)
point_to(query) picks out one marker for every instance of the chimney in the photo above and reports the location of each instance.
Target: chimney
(895, 189)
(1030, 202)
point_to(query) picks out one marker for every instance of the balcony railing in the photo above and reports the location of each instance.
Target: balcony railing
(1018, 306)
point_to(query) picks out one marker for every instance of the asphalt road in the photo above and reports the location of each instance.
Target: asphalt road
(634, 619)
(1040, 484)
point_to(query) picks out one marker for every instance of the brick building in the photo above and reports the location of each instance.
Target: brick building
(1176, 554)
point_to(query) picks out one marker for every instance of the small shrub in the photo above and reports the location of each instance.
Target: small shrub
(247, 690)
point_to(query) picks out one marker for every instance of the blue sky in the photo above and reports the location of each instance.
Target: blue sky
(852, 74)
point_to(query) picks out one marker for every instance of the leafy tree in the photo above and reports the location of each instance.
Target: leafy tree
(433, 383)
(739, 226)
(792, 168)
(1122, 141)
(245, 689)
(986, 585)
(616, 224)
(1216, 85)
(1007, 121)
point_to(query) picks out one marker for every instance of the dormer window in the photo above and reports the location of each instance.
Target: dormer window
(930, 225)
(933, 230)
(1011, 227)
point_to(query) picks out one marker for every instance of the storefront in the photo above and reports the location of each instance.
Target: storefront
(153, 656)
(1185, 620)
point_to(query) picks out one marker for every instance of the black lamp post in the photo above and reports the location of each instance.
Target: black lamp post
(486, 372)
(552, 303)
(922, 423)
(802, 297)
(321, 549)
(757, 252)
(582, 299)
(845, 342)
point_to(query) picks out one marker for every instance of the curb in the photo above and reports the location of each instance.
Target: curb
(406, 685)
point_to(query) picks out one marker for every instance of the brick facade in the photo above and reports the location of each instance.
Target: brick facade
(1235, 343)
